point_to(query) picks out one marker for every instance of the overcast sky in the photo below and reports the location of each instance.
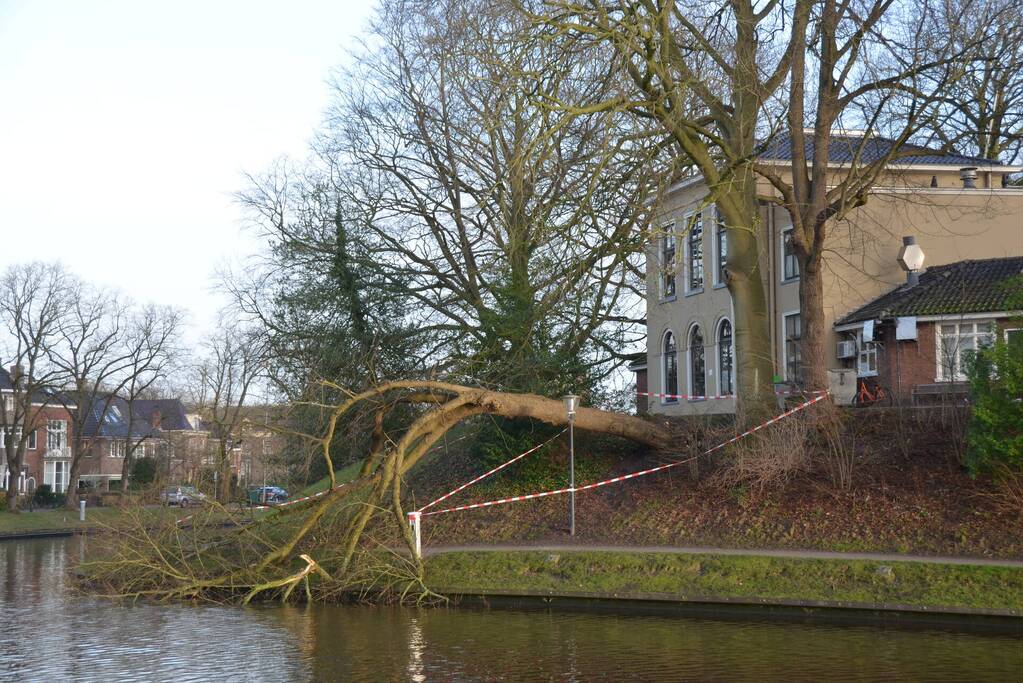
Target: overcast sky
(125, 128)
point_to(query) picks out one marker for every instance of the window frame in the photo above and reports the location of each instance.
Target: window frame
(117, 449)
(865, 348)
(691, 391)
(731, 352)
(785, 344)
(939, 335)
(720, 256)
(667, 272)
(692, 220)
(665, 389)
(52, 432)
(785, 277)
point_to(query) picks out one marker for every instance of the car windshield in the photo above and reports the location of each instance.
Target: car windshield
(188, 489)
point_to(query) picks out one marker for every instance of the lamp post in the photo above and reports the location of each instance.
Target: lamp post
(571, 403)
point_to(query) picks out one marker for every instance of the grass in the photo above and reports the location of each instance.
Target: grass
(711, 576)
(62, 519)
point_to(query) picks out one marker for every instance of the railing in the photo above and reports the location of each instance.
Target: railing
(63, 452)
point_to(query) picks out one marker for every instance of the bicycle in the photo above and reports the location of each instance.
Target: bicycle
(867, 396)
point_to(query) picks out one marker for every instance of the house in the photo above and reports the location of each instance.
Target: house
(184, 436)
(958, 207)
(914, 339)
(112, 428)
(48, 450)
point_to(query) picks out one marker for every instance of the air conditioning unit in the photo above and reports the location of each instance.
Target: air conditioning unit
(847, 348)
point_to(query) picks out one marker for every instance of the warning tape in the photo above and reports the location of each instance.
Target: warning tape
(493, 471)
(632, 475)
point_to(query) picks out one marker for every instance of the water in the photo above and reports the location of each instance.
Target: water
(49, 634)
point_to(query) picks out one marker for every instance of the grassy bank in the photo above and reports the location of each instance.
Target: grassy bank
(60, 519)
(734, 577)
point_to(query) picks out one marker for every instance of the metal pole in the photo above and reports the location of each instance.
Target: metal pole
(81, 511)
(571, 472)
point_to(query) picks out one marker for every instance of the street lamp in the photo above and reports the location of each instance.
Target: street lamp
(571, 403)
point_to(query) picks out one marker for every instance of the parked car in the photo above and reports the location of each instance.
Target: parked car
(182, 496)
(262, 495)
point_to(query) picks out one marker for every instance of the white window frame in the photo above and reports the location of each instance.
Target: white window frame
(56, 432)
(782, 260)
(719, 228)
(868, 349)
(939, 334)
(785, 341)
(664, 370)
(1007, 330)
(667, 270)
(690, 390)
(50, 477)
(717, 355)
(691, 220)
(117, 448)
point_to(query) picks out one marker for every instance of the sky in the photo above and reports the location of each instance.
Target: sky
(126, 127)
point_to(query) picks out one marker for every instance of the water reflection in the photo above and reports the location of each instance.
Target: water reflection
(49, 634)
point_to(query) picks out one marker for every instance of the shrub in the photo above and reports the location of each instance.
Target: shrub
(143, 472)
(995, 437)
(44, 496)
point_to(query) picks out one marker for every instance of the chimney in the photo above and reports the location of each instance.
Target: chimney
(17, 375)
(157, 419)
(969, 176)
(911, 258)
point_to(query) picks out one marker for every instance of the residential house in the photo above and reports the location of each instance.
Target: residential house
(112, 429)
(48, 452)
(957, 207)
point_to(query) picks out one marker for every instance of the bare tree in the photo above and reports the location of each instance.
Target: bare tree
(705, 73)
(230, 370)
(33, 302)
(881, 66)
(983, 110)
(152, 343)
(511, 230)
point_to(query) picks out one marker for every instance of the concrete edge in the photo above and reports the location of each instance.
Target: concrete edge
(741, 608)
(43, 533)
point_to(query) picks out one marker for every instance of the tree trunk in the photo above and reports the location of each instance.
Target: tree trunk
(813, 335)
(71, 501)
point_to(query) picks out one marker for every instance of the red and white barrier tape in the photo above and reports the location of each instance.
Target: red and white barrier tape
(497, 469)
(720, 397)
(632, 475)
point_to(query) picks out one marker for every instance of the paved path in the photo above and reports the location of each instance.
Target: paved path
(686, 550)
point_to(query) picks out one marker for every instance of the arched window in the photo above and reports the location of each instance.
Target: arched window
(726, 359)
(697, 363)
(670, 367)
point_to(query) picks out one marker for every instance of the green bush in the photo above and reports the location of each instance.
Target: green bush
(995, 436)
(45, 497)
(143, 472)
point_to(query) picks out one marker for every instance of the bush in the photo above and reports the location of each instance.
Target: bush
(143, 472)
(995, 437)
(45, 497)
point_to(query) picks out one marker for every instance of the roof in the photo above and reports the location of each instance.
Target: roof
(173, 416)
(980, 286)
(637, 361)
(844, 148)
(7, 385)
(109, 417)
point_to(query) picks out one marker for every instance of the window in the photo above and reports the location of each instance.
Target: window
(55, 473)
(32, 440)
(866, 356)
(726, 359)
(720, 247)
(1014, 339)
(694, 253)
(697, 364)
(793, 353)
(116, 449)
(790, 265)
(956, 343)
(668, 262)
(670, 356)
(56, 435)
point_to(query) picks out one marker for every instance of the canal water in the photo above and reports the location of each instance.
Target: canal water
(47, 633)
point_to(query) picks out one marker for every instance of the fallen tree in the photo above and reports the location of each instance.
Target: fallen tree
(208, 562)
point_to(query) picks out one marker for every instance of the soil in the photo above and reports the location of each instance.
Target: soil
(909, 494)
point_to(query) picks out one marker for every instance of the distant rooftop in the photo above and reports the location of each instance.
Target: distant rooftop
(844, 148)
